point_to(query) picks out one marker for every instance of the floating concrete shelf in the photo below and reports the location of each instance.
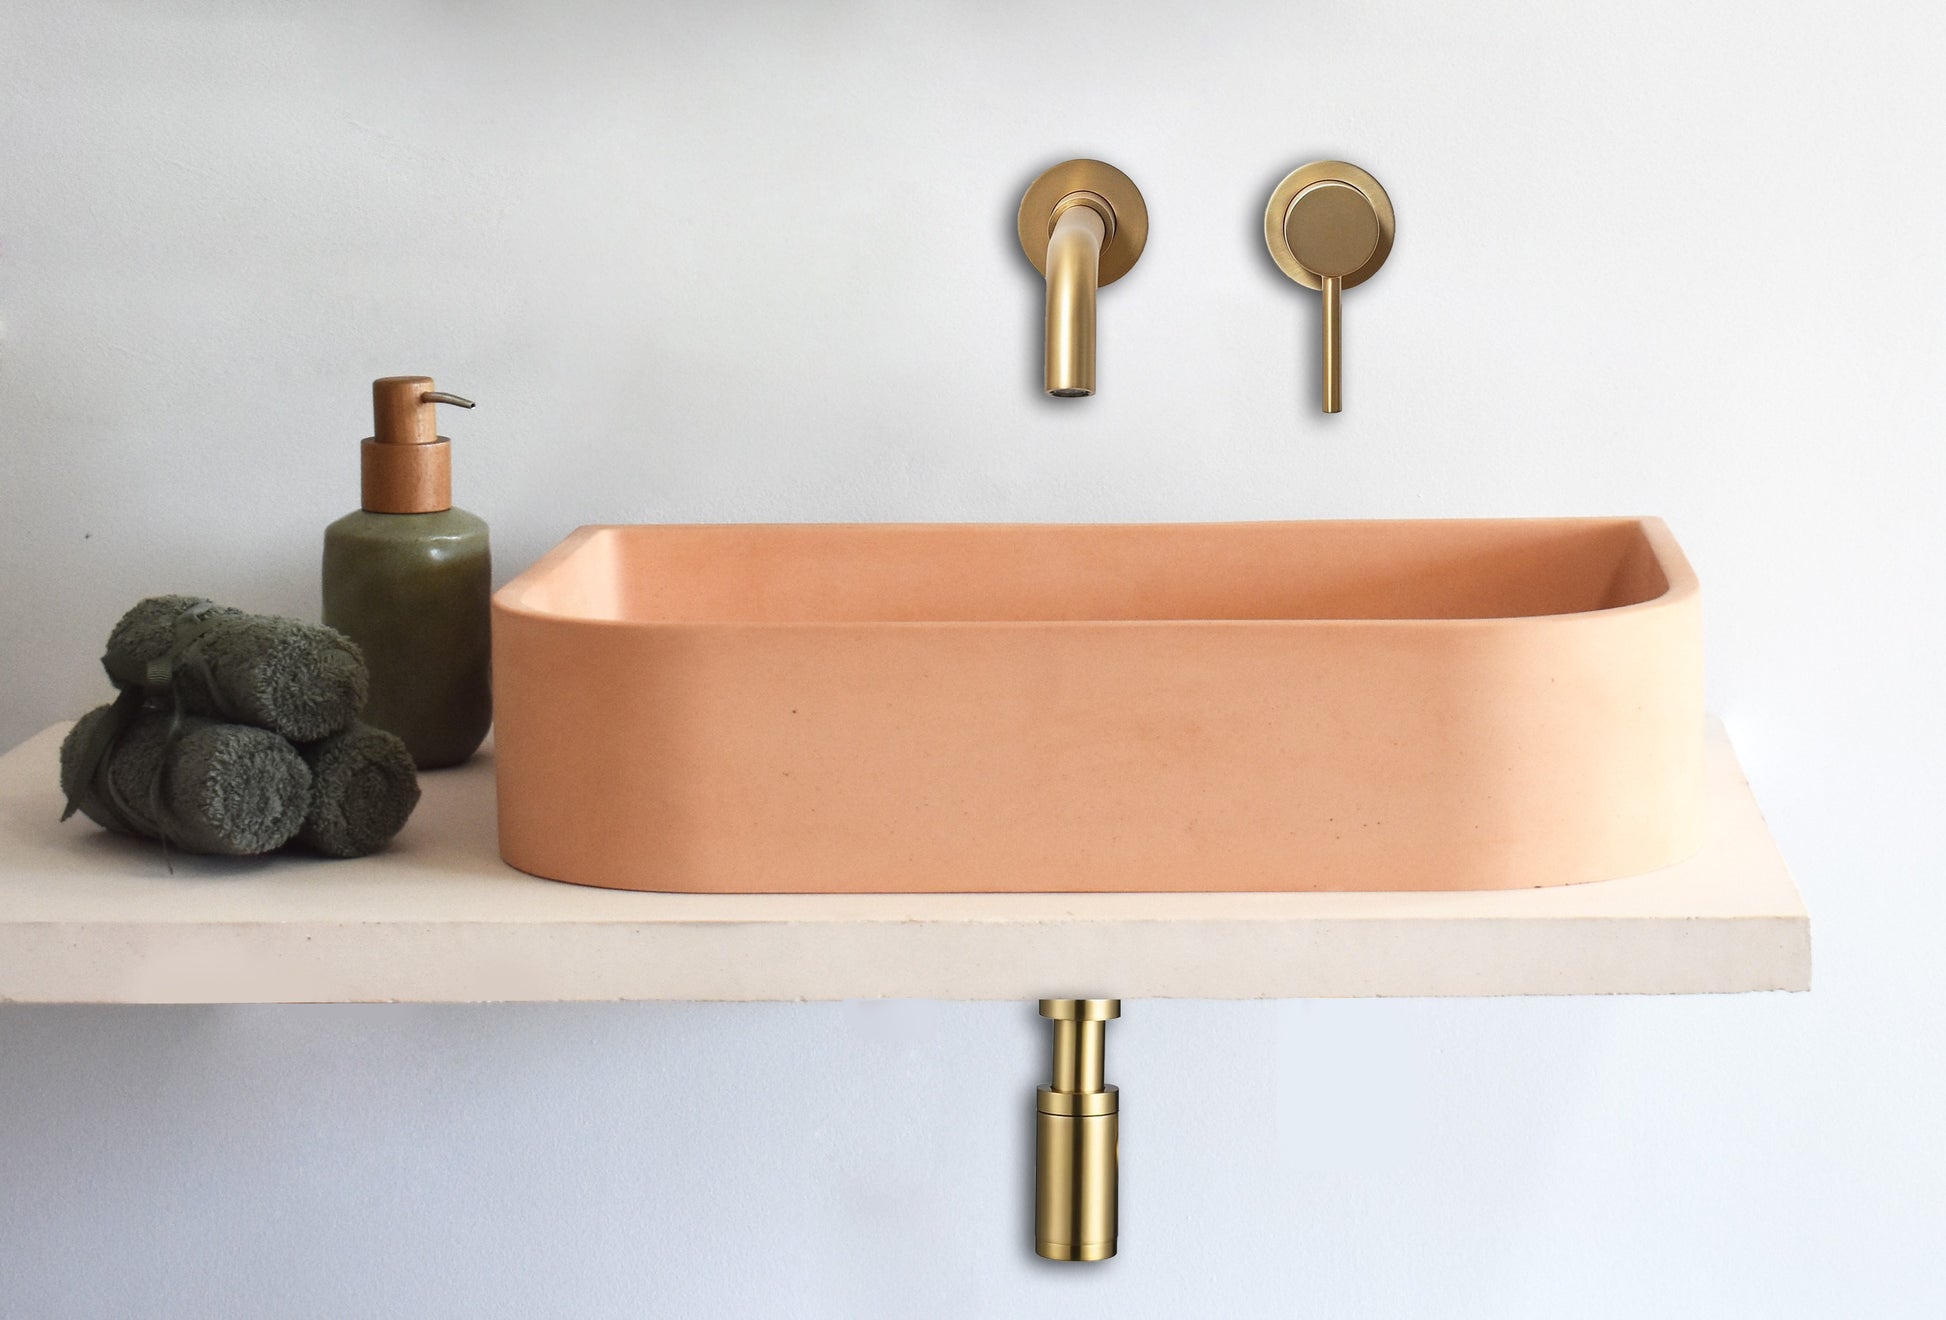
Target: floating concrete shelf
(89, 918)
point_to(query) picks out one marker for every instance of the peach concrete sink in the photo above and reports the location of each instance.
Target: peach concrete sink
(1269, 706)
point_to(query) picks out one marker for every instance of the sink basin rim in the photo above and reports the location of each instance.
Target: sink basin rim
(1680, 585)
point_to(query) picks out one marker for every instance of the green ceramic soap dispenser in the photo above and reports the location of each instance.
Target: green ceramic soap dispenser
(407, 577)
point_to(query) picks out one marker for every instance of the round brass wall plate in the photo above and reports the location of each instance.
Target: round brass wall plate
(1118, 254)
(1326, 171)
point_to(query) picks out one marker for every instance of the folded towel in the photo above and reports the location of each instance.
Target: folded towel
(227, 789)
(301, 680)
(362, 790)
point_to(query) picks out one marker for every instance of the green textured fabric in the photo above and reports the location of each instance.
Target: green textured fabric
(162, 687)
(363, 789)
(200, 785)
(301, 680)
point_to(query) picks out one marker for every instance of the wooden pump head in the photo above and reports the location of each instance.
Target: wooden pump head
(406, 465)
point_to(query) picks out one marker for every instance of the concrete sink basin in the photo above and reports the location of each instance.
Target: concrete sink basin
(1478, 704)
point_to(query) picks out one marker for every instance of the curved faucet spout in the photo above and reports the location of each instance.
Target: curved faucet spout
(1073, 275)
(1082, 225)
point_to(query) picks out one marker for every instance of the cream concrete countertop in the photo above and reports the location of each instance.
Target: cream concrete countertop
(86, 917)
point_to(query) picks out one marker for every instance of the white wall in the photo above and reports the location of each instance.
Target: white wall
(702, 261)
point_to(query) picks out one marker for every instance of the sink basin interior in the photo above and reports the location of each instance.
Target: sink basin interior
(941, 573)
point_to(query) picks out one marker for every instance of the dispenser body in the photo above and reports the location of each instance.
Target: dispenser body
(412, 590)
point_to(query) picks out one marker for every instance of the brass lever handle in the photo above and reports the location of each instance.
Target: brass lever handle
(1329, 225)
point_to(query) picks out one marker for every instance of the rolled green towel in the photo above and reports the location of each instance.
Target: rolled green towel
(363, 788)
(301, 680)
(226, 789)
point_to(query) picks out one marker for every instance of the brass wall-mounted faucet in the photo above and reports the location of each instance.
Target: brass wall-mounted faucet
(1082, 224)
(1329, 226)
(1077, 1136)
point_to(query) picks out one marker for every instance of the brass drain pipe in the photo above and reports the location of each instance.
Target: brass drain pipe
(1077, 1136)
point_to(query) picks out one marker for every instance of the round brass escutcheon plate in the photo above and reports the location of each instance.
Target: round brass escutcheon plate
(1342, 219)
(1131, 227)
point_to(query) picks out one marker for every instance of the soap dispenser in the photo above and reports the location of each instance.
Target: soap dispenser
(407, 577)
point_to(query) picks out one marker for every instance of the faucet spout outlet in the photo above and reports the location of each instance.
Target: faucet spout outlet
(1077, 1137)
(1082, 224)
